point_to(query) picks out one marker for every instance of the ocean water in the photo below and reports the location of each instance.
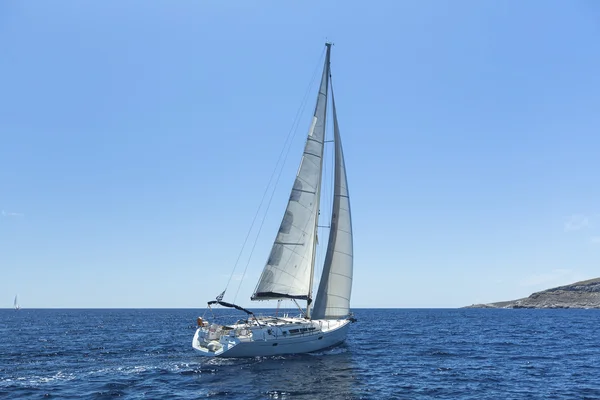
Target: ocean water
(389, 354)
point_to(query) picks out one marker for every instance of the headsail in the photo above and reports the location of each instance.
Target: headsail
(289, 269)
(335, 287)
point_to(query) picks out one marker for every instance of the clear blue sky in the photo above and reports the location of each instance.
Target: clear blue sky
(137, 137)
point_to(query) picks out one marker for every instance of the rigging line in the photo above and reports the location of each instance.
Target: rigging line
(285, 145)
(315, 213)
(329, 187)
(331, 193)
(299, 308)
(290, 137)
(260, 227)
(323, 215)
(329, 158)
(334, 126)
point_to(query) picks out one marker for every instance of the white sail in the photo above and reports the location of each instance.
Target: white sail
(335, 287)
(289, 269)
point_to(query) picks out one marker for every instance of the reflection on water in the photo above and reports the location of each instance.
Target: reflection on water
(328, 374)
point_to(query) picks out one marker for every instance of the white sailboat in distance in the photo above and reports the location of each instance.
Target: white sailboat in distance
(289, 270)
(16, 303)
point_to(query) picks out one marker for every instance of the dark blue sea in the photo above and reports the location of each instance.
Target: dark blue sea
(389, 354)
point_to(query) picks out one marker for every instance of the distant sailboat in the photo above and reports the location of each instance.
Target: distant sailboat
(16, 303)
(289, 270)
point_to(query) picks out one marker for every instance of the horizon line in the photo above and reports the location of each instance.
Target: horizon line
(195, 308)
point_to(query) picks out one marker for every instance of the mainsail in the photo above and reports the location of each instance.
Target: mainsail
(333, 296)
(289, 269)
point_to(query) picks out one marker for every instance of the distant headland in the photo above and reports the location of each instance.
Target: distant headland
(584, 294)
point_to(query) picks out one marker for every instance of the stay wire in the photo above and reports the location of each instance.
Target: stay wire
(283, 154)
(295, 131)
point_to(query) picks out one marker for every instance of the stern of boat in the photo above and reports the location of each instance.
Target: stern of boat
(215, 340)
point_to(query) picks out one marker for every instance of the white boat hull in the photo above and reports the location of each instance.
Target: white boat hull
(271, 339)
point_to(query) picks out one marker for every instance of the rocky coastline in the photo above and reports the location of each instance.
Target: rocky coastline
(584, 294)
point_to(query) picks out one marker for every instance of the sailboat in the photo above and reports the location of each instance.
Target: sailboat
(16, 303)
(289, 270)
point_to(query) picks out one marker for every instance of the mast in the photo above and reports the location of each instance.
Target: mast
(326, 74)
